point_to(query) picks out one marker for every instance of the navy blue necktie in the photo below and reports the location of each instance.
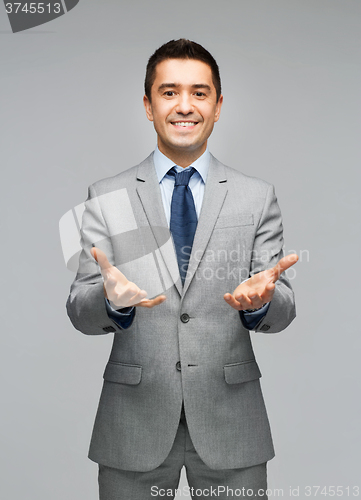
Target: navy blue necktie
(183, 218)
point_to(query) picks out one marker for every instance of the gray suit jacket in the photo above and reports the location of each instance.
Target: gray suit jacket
(193, 347)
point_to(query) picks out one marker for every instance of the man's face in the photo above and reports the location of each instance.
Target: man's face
(183, 106)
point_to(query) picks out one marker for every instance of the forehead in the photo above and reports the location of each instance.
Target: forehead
(183, 71)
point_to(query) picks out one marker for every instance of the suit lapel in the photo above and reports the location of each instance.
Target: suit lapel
(214, 195)
(151, 198)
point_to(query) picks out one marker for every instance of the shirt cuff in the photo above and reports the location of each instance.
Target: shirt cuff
(122, 317)
(251, 319)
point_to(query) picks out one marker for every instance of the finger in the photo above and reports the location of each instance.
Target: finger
(152, 302)
(270, 287)
(285, 263)
(244, 300)
(268, 293)
(106, 268)
(101, 258)
(256, 301)
(236, 304)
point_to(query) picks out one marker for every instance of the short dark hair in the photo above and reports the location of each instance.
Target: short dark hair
(181, 49)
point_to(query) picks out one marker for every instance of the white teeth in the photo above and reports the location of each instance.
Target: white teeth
(184, 124)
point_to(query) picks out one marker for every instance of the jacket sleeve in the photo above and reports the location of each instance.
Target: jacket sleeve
(267, 251)
(86, 306)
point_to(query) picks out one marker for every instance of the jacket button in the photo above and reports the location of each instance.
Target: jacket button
(184, 318)
(178, 366)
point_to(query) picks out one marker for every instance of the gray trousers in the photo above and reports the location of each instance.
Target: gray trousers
(162, 482)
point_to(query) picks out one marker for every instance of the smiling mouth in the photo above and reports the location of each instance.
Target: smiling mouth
(184, 124)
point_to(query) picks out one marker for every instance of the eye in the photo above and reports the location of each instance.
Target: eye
(169, 93)
(200, 94)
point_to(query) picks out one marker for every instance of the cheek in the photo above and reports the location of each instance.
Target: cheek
(157, 120)
(209, 123)
(209, 116)
(160, 116)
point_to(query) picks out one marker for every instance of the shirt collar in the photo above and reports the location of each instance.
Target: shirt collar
(162, 164)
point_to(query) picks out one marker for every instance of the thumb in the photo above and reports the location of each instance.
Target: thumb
(285, 263)
(101, 258)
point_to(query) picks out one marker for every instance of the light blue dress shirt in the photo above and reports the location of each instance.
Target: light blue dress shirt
(197, 184)
(166, 182)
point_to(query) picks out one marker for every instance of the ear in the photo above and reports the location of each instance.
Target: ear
(148, 108)
(218, 108)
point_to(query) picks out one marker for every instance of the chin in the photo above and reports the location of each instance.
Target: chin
(185, 145)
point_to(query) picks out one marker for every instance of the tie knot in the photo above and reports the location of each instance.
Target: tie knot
(182, 178)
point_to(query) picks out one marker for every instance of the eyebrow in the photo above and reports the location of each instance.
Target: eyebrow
(177, 85)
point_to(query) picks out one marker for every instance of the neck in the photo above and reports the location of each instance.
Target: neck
(182, 158)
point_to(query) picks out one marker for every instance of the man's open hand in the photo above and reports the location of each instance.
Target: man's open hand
(118, 289)
(259, 289)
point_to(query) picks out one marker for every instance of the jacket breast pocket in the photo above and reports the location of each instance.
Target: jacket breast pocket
(123, 373)
(234, 220)
(244, 371)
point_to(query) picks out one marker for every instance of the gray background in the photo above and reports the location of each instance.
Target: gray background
(71, 113)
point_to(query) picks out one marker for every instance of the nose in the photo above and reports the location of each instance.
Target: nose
(184, 104)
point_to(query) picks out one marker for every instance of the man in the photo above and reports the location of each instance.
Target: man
(182, 385)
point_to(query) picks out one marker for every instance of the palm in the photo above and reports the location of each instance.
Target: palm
(259, 289)
(118, 289)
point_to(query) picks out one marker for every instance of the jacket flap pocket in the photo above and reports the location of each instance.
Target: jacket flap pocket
(122, 373)
(233, 220)
(237, 373)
